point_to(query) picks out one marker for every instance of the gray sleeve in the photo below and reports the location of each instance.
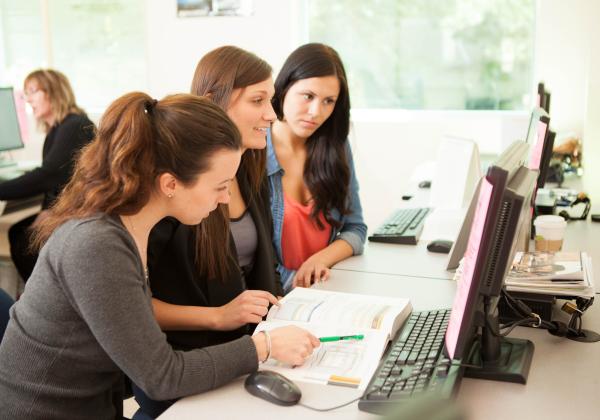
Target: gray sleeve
(102, 275)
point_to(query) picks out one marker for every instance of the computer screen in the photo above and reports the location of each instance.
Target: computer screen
(538, 130)
(459, 326)
(545, 159)
(10, 133)
(511, 159)
(537, 115)
(499, 214)
(543, 97)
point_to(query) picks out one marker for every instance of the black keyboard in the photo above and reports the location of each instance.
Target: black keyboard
(402, 227)
(415, 363)
(24, 203)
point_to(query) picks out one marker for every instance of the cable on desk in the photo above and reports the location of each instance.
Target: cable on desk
(572, 330)
(412, 374)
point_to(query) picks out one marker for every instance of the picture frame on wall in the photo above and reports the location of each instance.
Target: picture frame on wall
(209, 8)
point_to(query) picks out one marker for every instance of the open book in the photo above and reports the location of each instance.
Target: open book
(327, 314)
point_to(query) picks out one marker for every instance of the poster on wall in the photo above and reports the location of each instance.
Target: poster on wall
(207, 8)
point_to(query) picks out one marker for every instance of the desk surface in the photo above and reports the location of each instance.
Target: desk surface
(394, 259)
(563, 381)
(554, 362)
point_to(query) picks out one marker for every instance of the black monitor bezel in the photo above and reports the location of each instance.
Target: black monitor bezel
(498, 177)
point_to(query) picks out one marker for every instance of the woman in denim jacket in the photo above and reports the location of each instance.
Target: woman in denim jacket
(317, 216)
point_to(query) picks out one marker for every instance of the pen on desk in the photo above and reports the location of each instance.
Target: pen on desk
(341, 337)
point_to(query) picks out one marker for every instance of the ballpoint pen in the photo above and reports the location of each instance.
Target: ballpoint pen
(341, 337)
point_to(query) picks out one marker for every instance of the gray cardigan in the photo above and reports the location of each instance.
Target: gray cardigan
(86, 317)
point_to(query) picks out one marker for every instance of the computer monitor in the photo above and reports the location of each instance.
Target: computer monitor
(10, 132)
(511, 160)
(537, 136)
(472, 333)
(543, 97)
(538, 122)
(545, 159)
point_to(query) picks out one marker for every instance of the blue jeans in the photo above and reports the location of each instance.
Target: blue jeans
(5, 303)
(149, 408)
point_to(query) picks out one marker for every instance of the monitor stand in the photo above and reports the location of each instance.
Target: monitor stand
(498, 358)
(512, 364)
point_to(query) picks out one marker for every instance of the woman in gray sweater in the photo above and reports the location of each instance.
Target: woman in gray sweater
(86, 317)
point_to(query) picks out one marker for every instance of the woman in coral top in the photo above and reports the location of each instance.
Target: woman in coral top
(317, 216)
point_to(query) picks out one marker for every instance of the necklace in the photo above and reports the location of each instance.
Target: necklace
(133, 232)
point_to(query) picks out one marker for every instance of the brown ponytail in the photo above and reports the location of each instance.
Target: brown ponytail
(138, 139)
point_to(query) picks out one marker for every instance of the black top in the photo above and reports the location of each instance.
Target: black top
(61, 145)
(174, 277)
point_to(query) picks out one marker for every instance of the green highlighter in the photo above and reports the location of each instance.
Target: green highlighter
(341, 338)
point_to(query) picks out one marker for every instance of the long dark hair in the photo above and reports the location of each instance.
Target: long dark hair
(326, 170)
(217, 75)
(138, 139)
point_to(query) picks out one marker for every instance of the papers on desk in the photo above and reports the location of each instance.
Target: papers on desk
(562, 278)
(325, 314)
(559, 274)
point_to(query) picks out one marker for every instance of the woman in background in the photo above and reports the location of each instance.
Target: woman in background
(314, 191)
(67, 129)
(213, 282)
(86, 315)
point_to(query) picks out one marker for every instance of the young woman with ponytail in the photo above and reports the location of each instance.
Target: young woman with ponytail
(314, 191)
(86, 315)
(213, 282)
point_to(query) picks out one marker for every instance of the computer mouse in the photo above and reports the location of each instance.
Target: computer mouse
(273, 387)
(425, 184)
(440, 245)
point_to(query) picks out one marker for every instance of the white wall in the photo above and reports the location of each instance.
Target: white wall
(389, 145)
(174, 45)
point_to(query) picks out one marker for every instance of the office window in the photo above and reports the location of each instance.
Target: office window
(98, 44)
(21, 40)
(431, 54)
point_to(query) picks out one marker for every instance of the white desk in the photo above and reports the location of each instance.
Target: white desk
(405, 260)
(564, 380)
(548, 394)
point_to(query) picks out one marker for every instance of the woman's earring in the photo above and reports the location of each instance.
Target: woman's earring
(170, 195)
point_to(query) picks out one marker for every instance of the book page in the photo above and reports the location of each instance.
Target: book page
(347, 363)
(345, 309)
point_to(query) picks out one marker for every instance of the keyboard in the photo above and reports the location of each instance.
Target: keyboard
(10, 174)
(418, 347)
(24, 203)
(402, 227)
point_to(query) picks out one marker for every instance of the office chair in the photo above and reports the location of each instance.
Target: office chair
(5, 303)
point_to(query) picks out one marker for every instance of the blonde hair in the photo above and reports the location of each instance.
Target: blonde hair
(59, 93)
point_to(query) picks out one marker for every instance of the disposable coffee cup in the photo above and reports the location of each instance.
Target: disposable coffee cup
(549, 233)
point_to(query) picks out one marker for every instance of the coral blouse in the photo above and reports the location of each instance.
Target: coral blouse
(301, 237)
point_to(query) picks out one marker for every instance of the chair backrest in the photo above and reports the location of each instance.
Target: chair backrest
(5, 303)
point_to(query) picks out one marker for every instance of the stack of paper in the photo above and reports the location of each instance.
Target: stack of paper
(554, 273)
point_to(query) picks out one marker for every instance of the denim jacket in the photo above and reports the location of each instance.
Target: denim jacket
(353, 229)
